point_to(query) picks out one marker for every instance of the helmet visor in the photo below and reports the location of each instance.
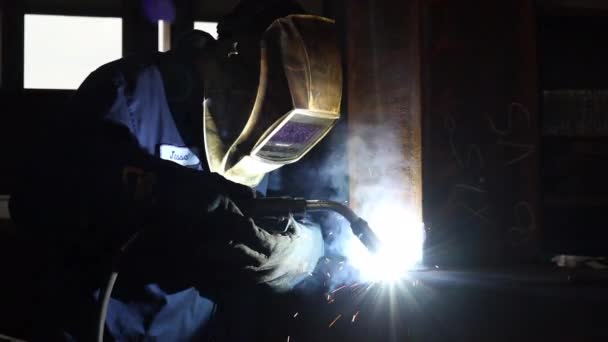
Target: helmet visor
(294, 135)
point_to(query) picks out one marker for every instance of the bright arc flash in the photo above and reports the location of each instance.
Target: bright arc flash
(401, 234)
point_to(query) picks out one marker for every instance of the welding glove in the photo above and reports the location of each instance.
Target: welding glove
(240, 250)
(288, 257)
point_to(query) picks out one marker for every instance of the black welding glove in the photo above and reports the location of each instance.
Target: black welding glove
(216, 247)
(241, 251)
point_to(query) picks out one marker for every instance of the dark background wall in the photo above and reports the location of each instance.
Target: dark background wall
(481, 123)
(574, 80)
(486, 65)
(515, 130)
(503, 178)
(514, 157)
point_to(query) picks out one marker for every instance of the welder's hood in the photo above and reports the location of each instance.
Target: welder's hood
(269, 105)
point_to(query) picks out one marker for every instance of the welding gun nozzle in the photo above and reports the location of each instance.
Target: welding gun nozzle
(367, 236)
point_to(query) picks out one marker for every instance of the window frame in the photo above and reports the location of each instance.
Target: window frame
(84, 11)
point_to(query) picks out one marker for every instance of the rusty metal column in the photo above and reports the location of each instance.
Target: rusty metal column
(383, 75)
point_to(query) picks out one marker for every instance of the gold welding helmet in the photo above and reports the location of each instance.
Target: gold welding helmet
(256, 123)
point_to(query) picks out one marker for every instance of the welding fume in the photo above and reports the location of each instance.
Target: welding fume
(163, 224)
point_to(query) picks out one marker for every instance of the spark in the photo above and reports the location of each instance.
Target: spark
(295, 315)
(355, 317)
(436, 266)
(328, 275)
(369, 286)
(335, 320)
(358, 289)
(338, 289)
(363, 289)
(331, 301)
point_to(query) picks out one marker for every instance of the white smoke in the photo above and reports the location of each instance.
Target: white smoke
(382, 200)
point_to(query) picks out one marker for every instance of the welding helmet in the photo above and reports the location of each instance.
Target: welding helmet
(257, 122)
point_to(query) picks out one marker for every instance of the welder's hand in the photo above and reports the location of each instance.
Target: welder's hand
(288, 257)
(240, 250)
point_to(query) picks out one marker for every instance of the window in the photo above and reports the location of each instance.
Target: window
(207, 26)
(60, 51)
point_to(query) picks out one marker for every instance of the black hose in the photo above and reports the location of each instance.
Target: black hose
(358, 225)
(281, 207)
(322, 205)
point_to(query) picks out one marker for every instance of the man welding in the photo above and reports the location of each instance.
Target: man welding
(155, 171)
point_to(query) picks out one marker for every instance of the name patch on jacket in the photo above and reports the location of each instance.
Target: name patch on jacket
(180, 155)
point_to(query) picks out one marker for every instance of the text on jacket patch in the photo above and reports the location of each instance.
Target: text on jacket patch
(180, 155)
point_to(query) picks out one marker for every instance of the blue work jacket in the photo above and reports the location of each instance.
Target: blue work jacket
(134, 120)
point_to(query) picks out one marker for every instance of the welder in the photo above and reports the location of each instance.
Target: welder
(150, 169)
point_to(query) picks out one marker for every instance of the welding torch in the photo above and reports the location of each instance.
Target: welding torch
(283, 207)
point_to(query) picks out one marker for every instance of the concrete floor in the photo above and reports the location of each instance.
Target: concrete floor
(536, 304)
(523, 304)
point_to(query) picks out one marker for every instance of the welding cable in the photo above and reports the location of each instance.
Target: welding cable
(103, 312)
(107, 292)
(10, 339)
